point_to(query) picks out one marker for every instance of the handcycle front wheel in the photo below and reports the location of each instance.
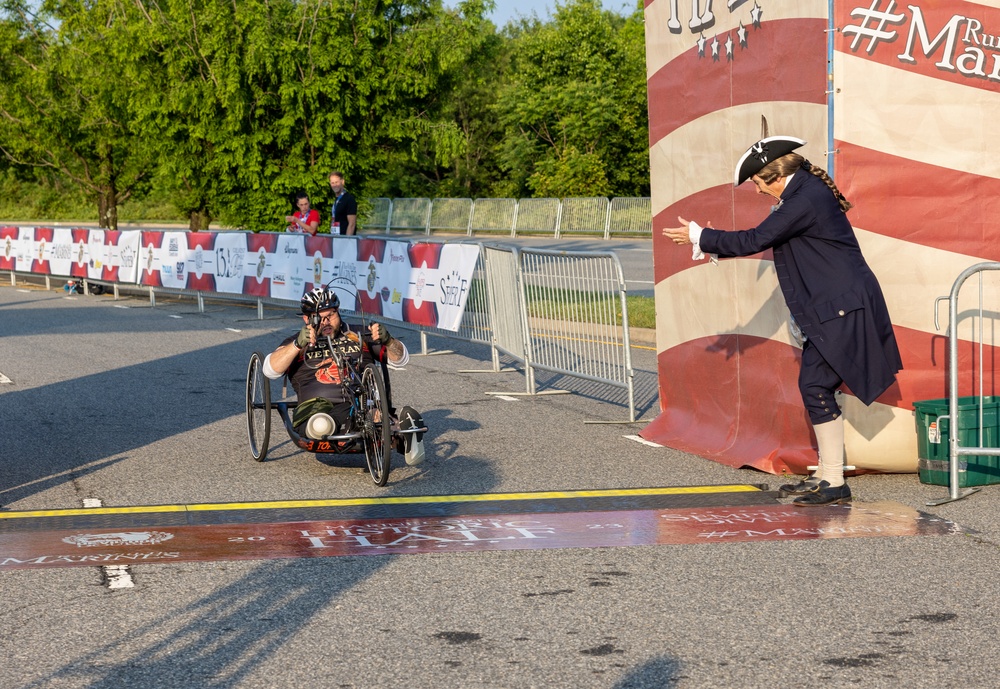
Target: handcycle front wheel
(376, 425)
(258, 407)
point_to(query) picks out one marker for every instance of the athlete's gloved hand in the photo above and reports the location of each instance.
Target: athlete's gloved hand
(380, 333)
(304, 338)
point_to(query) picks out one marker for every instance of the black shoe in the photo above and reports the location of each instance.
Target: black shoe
(803, 487)
(825, 494)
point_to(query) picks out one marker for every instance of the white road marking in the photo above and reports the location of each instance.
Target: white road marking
(639, 439)
(234, 330)
(121, 306)
(118, 577)
(505, 398)
(115, 576)
(4, 380)
(174, 315)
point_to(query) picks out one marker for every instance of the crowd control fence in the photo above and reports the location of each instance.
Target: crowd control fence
(600, 216)
(979, 325)
(560, 312)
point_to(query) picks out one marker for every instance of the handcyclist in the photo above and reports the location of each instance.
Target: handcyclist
(309, 359)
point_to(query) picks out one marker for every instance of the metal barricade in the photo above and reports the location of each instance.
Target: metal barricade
(578, 317)
(583, 216)
(378, 216)
(451, 214)
(537, 215)
(977, 337)
(410, 214)
(493, 215)
(506, 305)
(630, 216)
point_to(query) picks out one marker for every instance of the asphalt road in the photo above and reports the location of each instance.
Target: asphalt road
(134, 405)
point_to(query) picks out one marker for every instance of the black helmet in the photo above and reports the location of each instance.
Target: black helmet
(319, 299)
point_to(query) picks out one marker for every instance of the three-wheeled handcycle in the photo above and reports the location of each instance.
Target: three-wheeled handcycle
(370, 427)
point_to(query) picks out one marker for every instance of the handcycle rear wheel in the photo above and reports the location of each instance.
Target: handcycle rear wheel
(376, 425)
(258, 407)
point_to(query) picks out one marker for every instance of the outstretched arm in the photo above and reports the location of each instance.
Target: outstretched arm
(278, 361)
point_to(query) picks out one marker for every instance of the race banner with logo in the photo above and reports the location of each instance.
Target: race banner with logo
(8, 253)
(122, 258)
(423, 283)
(915, 89)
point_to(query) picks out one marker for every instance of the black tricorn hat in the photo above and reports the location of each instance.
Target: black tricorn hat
(763, 152)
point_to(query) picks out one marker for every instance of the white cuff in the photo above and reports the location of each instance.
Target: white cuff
(694, 234)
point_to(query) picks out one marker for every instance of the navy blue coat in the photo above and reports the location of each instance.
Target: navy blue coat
(828, 287)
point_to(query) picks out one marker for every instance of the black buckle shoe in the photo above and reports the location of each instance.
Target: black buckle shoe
(825, 494)
(803, 487)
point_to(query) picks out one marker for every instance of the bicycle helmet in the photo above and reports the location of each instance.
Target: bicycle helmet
(319, 299)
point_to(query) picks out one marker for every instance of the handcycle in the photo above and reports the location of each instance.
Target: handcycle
(370, 427)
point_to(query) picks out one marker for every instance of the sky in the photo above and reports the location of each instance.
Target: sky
(512, 9)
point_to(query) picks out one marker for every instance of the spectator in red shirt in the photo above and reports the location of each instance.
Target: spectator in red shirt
(304, 219)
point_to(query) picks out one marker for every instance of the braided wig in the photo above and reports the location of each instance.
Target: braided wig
(792, 162)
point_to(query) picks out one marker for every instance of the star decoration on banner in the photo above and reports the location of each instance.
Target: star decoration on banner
(729, 43)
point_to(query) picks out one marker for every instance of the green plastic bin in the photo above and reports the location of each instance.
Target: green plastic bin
(934, 437)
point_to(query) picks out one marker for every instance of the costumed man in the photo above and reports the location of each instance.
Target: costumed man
(308, 359)
(834, 298)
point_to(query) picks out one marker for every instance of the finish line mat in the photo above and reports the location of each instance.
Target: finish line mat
(395, 526)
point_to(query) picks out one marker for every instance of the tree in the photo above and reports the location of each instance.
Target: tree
(572, 114)
(61, 108)
(265, 97)
(451, 150)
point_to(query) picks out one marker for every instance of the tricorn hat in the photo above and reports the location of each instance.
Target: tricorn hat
(763, 152)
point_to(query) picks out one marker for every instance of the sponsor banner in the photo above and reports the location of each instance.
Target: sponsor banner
(422, 283)
(79, 267)
(174, 260)
(419, 305)
(8, 240)
(25, 249)
(319, 251)
(123, 256)
(150, 256)
(229, 261)
(60, 252)
(36, 549)
(41, 252)
(256, 266)
(289, 268)
(370, 282)
(97, 254)
(395, 278)
(201, 261)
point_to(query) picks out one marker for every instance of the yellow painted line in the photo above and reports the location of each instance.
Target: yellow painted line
(93, 510)
(346, 502)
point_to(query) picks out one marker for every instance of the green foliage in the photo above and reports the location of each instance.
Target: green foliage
(214, 110)
(64, 103)
(574, 106)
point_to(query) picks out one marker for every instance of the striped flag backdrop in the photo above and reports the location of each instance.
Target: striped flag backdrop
(915, 95)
